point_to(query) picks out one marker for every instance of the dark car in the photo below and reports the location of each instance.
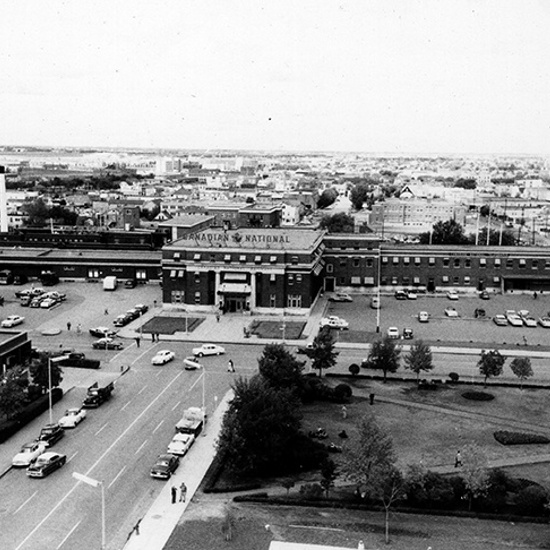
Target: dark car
(51, 433)
(400, 295)
(20, 279)
(165, 466)
(122, 320)
(408, 333)
(45, 464)
(130, 283)
(142, 308)
(304, 350)
(484, 295)
(102, 332)
(107, 343)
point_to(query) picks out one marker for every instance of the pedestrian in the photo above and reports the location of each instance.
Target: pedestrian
(218, 317)
(458, 459)
(138, 340)
(230, 366)
(136, 526)
(79, 329)
(68, 325)
(344, 412)
(524, 341)
(174, 493)
(183, 492)
(106, 312)
(534, 295)
(371, 397)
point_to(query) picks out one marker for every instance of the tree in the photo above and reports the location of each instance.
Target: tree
(36, 211)
(338, 223)
(495, 237)
(39, 372)
(419, 358)
(280, 368)
(368, 456)
(328, 197)
(384, 355)
(449, 232)
(259, 427)
(322, 352)
(521, 367)
(12, 391)
(474, 472)
(358, 195)
(490, 364)
(389, 488)
(328, 473)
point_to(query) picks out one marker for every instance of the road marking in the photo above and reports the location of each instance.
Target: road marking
(141, 447)
(107, 451)
(315, 527)
(143, 389)
(159, 373)
(25, 502)
(115, 358)
(142, 355)
(72, 457)
(116, 477)
(68, 535)
(126, 405)
(158, 426)
(176, 405)
(102, 427)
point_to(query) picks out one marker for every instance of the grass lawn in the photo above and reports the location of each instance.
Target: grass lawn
(274, 329)
(169, 325)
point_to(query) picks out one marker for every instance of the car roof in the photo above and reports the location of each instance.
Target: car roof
(49, 455)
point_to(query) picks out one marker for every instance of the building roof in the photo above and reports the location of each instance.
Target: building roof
(187, 220)
(260, 239)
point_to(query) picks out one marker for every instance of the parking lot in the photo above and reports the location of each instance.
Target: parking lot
(464, 328)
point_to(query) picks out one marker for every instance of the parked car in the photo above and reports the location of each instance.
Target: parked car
(484, 295)
(28, 454)
(500, 320)
(123, 320)
(451, 312)
(45, 464)
(334, 322)
(72, 418)
(208, 349)
(375, 302)
(423, 317)
(340, 297)
(529, 321)
(452, 295)
(107, 343)
(305, 349)
(162, 357)
(544, 322)
(408, 333)
(56, 295)
(35, 302)
(51, 434)
(142, 308)
(411, 295)
(130, 283)
(165, 466)
(393, 332)
(102, 332)
(12, 321)
(180, 444)
(191, 363)
(47, 303)
(514, 320)
(400, 295)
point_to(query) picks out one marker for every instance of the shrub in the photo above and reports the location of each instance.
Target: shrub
(311, 491)
(316, 389)
(519, 438)
(342, 393)
(303, 453)
(478, 396)
(532, 500)
(354, 369)
(454, 377)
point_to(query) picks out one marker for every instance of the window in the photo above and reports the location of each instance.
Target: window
(455, 280)
(197, 277)
(177, 297)
(173, 273)
(456, 262)
(93, 273)
(496, 280)
(242, 259)
(257, 259)
(509, 263)
(197, 297)
(291, 279)
(212, 257)
(406, 280)
(467, 280)
(343, 262)
(394, 280)
(273, 259)
(482, 262)
(406, 260)
(370, 262)
(294, 259)
(298, 277)
(395, 260)
(356, 280)
(522, 263)
(547, 264)
(227, 258)
(177, 256)
(431, 261)
(416, 280)
(356, 262)
(141, 274)
(445, 278)
(497, 262)
(467, 262)
(446, 262)
(535, 264)
(341, 281)
(180, 273)
(272, 300)
(330, 268)
(417, 261)
(272, 278)
(197, 257)
(384, 260)
(294, 300)
(383, 280)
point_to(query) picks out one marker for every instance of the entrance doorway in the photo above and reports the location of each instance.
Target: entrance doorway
(329, 284)
(233, 303)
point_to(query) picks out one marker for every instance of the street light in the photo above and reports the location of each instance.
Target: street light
(95, 483)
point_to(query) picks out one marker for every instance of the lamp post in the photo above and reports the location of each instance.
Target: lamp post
(96, 483)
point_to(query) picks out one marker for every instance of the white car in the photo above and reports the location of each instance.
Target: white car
(500, 320)
(544, 322)
(180, 444)
(72, 418)
(334, 322)
(12, 321)
(393, 332)
(529, 321)
(451, 312)
(162, 357)
(47, 303)
(423, 317)
(411, 295)
(208, 349)
(452, 295)
(514, 320)
(28, 454)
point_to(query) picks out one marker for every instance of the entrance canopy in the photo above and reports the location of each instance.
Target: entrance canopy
(234, 288)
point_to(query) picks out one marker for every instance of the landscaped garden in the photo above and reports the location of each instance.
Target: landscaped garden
(170, 325)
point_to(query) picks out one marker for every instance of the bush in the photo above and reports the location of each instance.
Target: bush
(532, 500)
(315, 389)
(342, 393)
(519, 438)
(454, 377)
(303, 453)
(354, 369)
(478, 396)
(311, 491)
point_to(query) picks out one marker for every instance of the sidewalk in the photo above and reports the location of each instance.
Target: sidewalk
(156, 526)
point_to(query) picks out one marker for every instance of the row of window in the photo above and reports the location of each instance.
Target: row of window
(445, 280)
(292, 277)
(228, 258)
(467, 262)
(293, 300)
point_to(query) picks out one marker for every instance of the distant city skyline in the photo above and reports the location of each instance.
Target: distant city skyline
(467, 77)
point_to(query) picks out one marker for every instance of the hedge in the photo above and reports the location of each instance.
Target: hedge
(30, 412)
(519, 438)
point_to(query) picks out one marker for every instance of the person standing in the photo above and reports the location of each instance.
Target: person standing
(183, 492)
(174, 493)
(68, 325)
(138, 341)
(458, 459)
(230, 366)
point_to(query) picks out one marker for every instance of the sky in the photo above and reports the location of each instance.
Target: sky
(411, 76)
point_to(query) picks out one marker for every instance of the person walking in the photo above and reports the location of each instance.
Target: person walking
(138, 341)
(106, 312)
(174, 493)
(69, 325)
(230, 366)
(218, 317)
(458, 459)
(79, 329)
(183, 492)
